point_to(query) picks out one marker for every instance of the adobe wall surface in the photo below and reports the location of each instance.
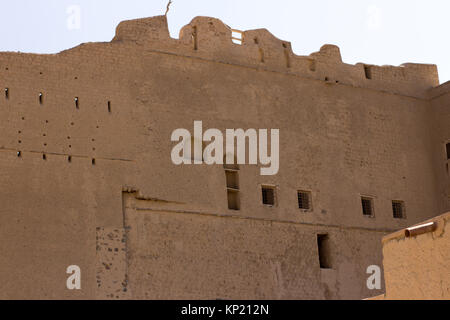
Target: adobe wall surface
(345, 131)
(417, 267)
(440, 104)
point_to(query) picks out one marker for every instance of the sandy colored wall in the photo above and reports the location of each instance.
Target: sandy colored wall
(440, 102)
(417, 267)
(341, 136)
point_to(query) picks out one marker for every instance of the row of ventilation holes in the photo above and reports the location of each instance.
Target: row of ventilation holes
(44, 157)
(41, 100)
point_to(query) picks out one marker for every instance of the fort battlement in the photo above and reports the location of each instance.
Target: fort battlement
(209, 38)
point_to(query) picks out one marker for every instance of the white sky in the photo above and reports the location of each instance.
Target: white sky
(371, 31)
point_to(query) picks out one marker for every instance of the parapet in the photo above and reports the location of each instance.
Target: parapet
(210, 38)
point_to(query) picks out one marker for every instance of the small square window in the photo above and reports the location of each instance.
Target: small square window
(304, 200)
(398, 209)
(367, 206)
(268, 196)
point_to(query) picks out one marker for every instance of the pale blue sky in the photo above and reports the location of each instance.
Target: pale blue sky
(371, 31)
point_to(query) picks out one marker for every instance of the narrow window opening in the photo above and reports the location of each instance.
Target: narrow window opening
(195, 37)
(304, 200)
(323, 244)
(109, 106)
(367, 206)
(398, 209)
(93, 162)
(232, 179)
(233, 199)
(237, 36)
(41, 98)
(268, 196)
(69, 159)
(448, 151)
(44, 157)
(6, 93)
(19, 154)
(77, 103)
(287, 55)
(368, 72)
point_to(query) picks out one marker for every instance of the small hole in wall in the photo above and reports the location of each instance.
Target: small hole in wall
(20, 141)
(41, 98)
(93, 162)
(44, 157)
(70, 146)
(77, 103)
(284, 45)
(69, 159)
(194, 37)
(256, 41)
(45, 144)
(326, 78)
(109, 106)
(7, 93)
(19, 154)
(368, 72)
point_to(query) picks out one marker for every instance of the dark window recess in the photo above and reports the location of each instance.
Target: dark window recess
(233, 199)
(368, 72)
(232, 179)
(6, 93)
(304, 200)
(41, 98)
(268, 196)
(367, 206)
(109, 106)
(398, 209)
(323, 244)
(448, 151)
(77, 103)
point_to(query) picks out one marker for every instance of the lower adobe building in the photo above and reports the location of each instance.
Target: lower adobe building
(87, 177)
(416, 261)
